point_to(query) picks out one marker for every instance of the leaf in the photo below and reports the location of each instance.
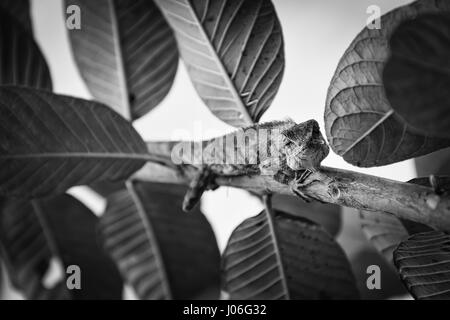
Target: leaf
(285, 257)
(233, 51)
(360, 124)
(327, 215)
(161, 251)
(126, 53)
(437, 163)
(21, 61)
(107, 188)
(33, 233)
(19, 10)
(423, 262)
(417, 75)
(386, 232)
(442, 182)
(50, 142)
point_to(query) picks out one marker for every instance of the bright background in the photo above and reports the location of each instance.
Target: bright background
(316, 34)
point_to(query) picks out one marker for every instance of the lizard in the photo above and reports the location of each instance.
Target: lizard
(291, 148)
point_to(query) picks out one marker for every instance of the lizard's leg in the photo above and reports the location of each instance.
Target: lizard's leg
(300, 178)
(204, 180)
(300, 183)
(303, 176)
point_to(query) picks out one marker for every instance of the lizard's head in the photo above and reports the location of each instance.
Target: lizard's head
(304, 145)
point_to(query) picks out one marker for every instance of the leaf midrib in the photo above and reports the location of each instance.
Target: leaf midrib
(368, 132)
(246, 116)
(125, 105)
(153, 241)
(93, 155)
(270, 216)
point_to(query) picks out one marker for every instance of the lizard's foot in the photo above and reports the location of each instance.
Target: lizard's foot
(302, 178)
(299, 183)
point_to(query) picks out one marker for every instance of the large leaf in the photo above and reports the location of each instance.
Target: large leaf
(233, 51)
(386, 231)
(327, 215)
(443, 183)
(417, 75)
(19, 10)
(161, 251)
(107, 188)
(285, 257)
(360, 123)
(437, 163)
(34, 233)
(423, 262)
(21, 61)
(126, 53)
(49, 143)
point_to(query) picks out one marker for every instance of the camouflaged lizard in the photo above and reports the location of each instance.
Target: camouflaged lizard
(281, 149)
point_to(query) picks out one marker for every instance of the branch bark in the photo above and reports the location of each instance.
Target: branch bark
(331, 185)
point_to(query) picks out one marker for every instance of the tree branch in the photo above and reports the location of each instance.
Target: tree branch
(330, 185)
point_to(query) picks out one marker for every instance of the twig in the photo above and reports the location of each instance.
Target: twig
(331, 185)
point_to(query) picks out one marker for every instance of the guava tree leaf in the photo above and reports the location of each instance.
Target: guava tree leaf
(285, 257)
(360, 123)
(49, 143)
(423, 262)
(125, 52)
(442, 182)
(327, 215)
(21, 61)
(233, 51)
(417, 74)
(19, 10)
(106, 188)
(33, 233)
(437, 163)
(386, 232)
(161, 251)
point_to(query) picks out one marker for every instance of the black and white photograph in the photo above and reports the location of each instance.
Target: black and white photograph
(224, 153)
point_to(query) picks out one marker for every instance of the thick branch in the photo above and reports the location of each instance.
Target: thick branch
(342, 187)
